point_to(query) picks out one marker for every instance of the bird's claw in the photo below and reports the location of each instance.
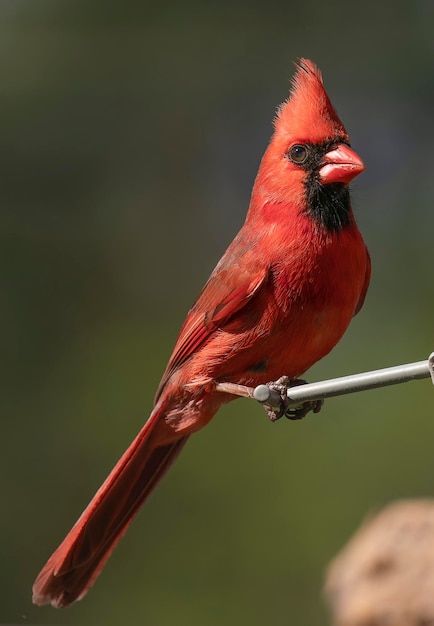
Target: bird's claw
(285, 409)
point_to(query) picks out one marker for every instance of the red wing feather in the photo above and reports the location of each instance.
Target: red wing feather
(218, 302)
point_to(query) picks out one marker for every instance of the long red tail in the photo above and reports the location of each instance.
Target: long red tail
(75, 565)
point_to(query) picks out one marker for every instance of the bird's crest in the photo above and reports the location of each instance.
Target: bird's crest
(308, 110)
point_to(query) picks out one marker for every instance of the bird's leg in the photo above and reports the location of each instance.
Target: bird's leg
(284, 409)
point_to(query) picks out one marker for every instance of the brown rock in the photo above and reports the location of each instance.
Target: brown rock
(384, 576)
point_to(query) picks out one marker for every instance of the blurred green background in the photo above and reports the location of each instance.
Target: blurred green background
(130, 137)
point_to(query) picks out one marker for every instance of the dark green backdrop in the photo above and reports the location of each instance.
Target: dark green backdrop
(130, 134)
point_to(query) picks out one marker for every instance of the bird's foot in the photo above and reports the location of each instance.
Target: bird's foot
(284, 408)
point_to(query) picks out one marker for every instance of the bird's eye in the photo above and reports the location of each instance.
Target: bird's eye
(298, 154)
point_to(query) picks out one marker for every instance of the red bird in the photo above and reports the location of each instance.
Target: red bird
(279, 299)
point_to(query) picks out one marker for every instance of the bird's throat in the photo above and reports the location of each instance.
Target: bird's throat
(328, 205)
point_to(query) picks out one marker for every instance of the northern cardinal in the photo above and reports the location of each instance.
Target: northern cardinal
(279, 299)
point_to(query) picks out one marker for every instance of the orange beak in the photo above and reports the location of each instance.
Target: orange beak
(340, 165)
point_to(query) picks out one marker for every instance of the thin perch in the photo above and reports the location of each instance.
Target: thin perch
(336, 386)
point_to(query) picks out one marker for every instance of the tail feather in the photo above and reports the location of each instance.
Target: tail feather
(75, 565)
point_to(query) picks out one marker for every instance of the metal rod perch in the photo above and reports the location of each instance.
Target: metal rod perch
(337, 386)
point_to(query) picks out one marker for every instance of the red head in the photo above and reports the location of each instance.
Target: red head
(309, 148)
